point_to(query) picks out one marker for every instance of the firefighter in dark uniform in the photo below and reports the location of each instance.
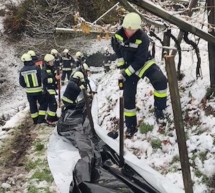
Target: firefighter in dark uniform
(73, 89)
(30, 79)
(58, 59)
(67, 65)
(49, 79)
(130, 44)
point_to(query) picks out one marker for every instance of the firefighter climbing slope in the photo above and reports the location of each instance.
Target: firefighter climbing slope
(30, 79)
(130, 44)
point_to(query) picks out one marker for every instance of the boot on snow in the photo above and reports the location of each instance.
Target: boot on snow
(113, 134)
(130, 132)
(160, 117)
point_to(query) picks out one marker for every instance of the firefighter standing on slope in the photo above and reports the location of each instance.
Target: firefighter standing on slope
(67, 65)
(30, 79)
(130, 44)
(49, 79)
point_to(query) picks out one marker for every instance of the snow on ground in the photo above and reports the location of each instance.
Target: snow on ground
(157, 148)
(12, 96)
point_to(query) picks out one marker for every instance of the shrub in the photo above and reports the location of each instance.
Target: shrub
(156, 143)
(144, 128)
(15, 21)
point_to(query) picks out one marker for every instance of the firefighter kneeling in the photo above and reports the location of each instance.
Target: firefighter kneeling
(73, 89)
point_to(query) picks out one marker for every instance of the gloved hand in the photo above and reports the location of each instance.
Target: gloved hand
(123, 75)
(82, 87)
(120, 63)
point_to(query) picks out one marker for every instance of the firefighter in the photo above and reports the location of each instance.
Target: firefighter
(80, 59)
(73, 89)
(49, 79)
(58, 59)
(30, 79)
(130, 44)
(67, 65)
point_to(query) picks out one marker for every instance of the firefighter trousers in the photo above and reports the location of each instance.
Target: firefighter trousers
(51, 105)
(158, 81)
(66, 74)
(34, 100)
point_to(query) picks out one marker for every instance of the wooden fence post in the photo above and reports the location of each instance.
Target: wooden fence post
(166, 42)
(178, 120)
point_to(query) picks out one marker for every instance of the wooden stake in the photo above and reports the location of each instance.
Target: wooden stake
(178, 120)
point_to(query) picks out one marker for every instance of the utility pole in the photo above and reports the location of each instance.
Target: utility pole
(211, 47)
(178, 120)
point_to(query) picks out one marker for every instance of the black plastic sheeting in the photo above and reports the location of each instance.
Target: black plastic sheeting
(98, 169)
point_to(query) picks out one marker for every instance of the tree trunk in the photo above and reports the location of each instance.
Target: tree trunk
(192, 4)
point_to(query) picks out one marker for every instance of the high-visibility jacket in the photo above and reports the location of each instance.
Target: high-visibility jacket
(67, 63)
(57, 62)
(71, 93)
(30, 78)
(132, 52)
(49, 80)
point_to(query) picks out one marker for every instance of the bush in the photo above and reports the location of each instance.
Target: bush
(15, 21)
(144, 128)
(156, 143)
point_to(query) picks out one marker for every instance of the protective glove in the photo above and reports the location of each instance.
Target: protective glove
(123, 75)
(82, 87)
(120, 63)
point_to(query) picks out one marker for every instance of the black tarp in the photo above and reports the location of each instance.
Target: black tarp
(97, 171)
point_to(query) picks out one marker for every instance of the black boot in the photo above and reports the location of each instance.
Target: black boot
(35, 120)
(113, 134)
(131, 131)
(159, 115)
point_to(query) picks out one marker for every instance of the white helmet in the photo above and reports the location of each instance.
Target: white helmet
(54, 51)
(78, 54)
(32, 53)
(79, 75)
(49, 58)
(66, 51)
(132, 21)
(86, 67)
(26, 57)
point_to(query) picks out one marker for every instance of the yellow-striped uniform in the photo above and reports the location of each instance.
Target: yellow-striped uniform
(71, 93)
(67, 67)
(30, 79)
(50, 85)
(135, 61)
